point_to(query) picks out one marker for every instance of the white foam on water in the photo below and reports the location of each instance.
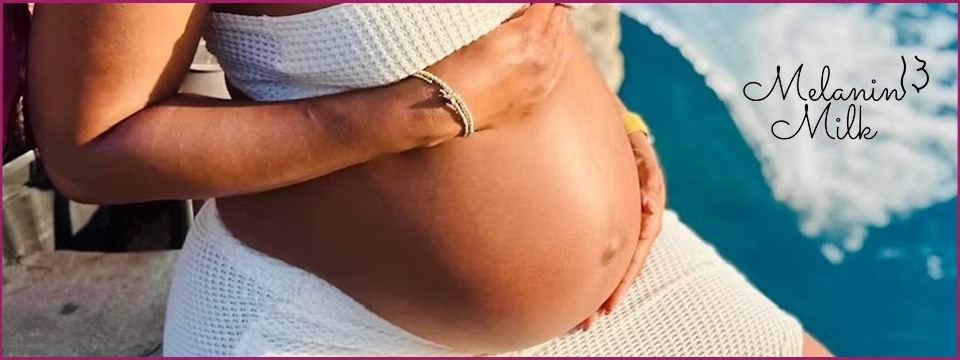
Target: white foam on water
(934, 267)
(890, 253)
(840, 188)
(832, 253)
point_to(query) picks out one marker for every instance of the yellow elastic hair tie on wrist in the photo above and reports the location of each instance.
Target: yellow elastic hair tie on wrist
(633, 122)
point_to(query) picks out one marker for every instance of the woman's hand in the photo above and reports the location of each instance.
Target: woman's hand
(507, 73)
(653, 194)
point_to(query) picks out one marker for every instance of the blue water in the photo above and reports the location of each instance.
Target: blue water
(880, 301)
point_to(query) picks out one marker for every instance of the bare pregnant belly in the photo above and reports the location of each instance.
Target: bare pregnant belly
(496, 242)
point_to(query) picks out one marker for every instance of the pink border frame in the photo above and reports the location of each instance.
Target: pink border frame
(294, 1)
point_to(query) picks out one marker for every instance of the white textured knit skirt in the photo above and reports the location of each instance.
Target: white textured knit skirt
(230, 300)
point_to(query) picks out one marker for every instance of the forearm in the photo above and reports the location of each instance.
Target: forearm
(111, 129)
(193, 147)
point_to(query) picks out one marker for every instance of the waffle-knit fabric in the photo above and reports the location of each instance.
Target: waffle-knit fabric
(228, 299)
(343, 47)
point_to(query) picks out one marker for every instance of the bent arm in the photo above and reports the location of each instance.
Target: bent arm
(111, 129)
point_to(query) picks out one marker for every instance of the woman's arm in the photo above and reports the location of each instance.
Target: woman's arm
(110, 128)
(103, 79)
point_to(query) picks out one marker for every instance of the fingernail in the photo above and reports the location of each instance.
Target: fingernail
(647, 209)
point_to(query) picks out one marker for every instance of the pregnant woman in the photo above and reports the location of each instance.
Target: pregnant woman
(353, 214)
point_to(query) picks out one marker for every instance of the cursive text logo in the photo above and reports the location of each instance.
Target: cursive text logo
(854, 128)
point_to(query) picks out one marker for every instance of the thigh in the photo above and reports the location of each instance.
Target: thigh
(229, 300)
(688, 301)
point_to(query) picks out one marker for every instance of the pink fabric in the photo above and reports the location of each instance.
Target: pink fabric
(16, 29)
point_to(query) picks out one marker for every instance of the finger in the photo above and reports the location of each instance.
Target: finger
(658, 223)
(637, 142)
(661, 190)
(619, 293)
(519, 12)
(590, 321)
(651, 230)
(633, 270)
(539, 13)
(651, 220)
(556, 54)
(531, 17)
(558, 17)
(636, 263)
(648, 205)
(582, 326)
(646, 156)
(560, 25)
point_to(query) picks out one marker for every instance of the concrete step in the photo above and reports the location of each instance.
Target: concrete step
(27, 211)
(67, 303)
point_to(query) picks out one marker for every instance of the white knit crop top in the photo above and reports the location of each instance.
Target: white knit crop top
(343, 47)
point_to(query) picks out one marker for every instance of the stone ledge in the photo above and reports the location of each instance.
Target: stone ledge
(599, 27)
(67, 303)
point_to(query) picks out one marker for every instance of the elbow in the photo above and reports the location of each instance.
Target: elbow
(72, 183)
(74, 174)
(84, 176)
(79, 194)
(82, 172)
(80, 168)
